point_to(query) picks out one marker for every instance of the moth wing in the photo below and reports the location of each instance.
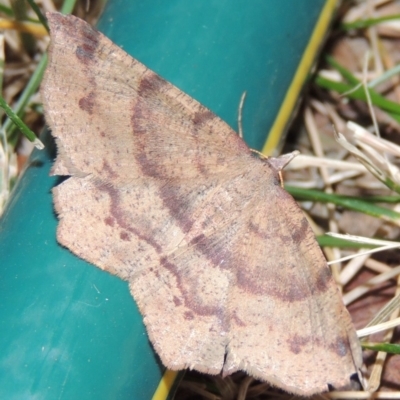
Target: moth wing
(175, 246)
(118, 121)
(288, 324)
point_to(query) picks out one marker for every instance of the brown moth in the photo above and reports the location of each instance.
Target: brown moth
(219, 258)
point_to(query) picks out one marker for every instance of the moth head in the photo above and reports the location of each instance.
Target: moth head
(278, 163)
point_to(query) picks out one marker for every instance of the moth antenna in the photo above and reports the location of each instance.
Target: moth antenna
(261, 155)
(241, 103)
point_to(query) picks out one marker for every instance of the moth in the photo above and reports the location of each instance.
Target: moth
(220, 260)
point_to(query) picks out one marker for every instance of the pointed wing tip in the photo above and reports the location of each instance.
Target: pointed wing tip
(54, 18)
(67, 21)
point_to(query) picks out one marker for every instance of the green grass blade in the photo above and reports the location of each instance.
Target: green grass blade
(6, 10)
(382, 199)
(343, 71)
(366, 23)
(392, 108)
(386, 347)
(39, 14)
(20, 124)
(330, 241)
(31, 88)
(350, 203)
(358, 93)
(68, 6)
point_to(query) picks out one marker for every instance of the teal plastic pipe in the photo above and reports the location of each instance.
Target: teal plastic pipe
(70, 330)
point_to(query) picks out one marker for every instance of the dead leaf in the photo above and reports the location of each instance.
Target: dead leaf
(220, 259)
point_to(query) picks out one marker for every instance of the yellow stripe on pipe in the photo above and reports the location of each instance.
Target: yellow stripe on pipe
(300, 76)
(165, 385)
